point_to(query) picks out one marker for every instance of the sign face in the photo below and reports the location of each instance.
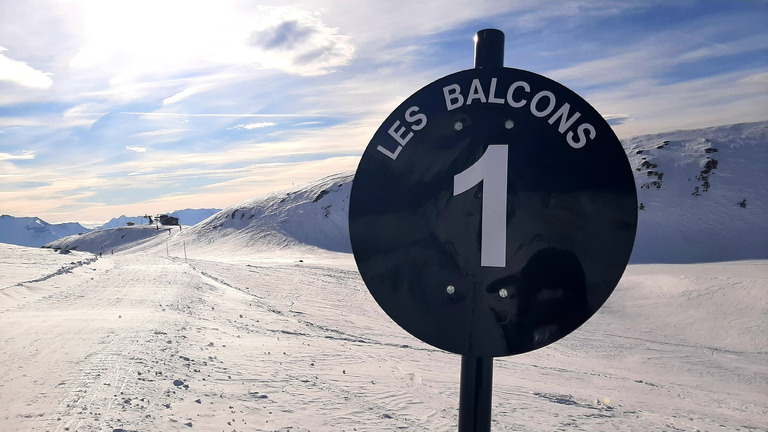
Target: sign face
(493, 212)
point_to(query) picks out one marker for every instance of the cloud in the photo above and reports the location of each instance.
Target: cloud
(298, 42)
(160, 114)
(84, 114)
(158, 41)
(616, 119)
(656, 57)
(536, 14)
(710, 101)
(286, 35)
(189, 91)
(266, 178)
(256, 125)
(160, 133)
(27, 155)
(21, 73)
(640, 62)
(138, 149)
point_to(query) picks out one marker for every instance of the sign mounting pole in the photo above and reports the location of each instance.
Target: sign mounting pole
(476, 385)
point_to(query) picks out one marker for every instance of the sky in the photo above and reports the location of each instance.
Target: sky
(134, 107)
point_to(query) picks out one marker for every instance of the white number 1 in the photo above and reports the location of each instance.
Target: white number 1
(491, 169)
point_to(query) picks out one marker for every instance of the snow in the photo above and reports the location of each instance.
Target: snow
(111, 240)
(691, 184)
(314, 215)
(186, 217)
(256, 319)
(142, 341)
(286, 225)
(24, 264)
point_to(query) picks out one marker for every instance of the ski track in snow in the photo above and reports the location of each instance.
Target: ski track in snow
(140, 341)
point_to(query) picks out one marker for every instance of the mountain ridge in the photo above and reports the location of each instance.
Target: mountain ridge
(702, 197)
(33, 231)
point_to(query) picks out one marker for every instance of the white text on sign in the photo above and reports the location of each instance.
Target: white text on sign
(416, 121)
(542, 105)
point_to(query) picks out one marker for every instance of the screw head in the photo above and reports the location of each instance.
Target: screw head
(509, 124)
(503, 293)
(450, 289)
(458, 125)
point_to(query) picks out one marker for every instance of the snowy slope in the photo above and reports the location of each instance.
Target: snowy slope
(110, 240)
(22, 264)
(143, 342)
(35, 232)
(186, 217)
(703, 194)
(313, 215)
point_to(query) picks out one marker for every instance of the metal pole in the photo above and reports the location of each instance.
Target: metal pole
(489, 48)
(475, 393)
(476, 388)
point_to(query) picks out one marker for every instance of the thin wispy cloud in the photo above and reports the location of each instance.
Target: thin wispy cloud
(160, 133)
(226, 115)
(256, 125)
(27, 155)
(138, 149)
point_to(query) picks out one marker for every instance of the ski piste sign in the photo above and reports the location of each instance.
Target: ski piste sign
(493, 212)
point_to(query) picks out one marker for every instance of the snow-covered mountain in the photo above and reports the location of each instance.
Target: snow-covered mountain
(35, 232)
(702, 197)
(314, 215)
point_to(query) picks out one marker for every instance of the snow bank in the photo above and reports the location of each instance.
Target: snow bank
(25, 264)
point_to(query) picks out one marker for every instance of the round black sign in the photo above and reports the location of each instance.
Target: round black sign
(493, 212)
